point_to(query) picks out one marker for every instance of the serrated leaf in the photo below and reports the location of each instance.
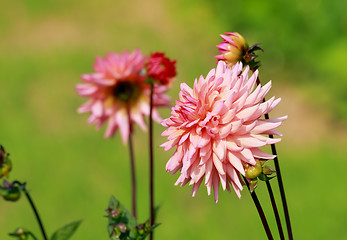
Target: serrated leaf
(66, 232)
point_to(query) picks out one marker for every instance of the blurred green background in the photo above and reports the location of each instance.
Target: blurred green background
(72, 171)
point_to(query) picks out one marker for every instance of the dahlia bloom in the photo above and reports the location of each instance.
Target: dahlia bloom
(161, 68)
(216, 128)
(116, 88)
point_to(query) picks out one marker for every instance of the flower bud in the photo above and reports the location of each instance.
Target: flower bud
(10, 192)
(113, 213)
(160, 68)
(143, 228)
(5, 163)
(253, 171)
(234, 48)
(121, 227)
(120, 231)
(22, 234)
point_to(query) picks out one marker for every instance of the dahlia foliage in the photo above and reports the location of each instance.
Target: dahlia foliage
(216, 128)
(118, 89)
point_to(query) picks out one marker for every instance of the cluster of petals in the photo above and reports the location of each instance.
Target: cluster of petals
(161, 68)
(217, 128)
(232, 48)
(117, 92)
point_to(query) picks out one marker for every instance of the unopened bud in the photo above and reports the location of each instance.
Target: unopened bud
(120, 231)
(20, 234)
(121, 227)
(10, 192)
(234, 48)
(5, 163)
(253, 171)
(143, 228)
(113, 213)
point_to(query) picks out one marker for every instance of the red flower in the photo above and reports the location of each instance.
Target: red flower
(161, 68)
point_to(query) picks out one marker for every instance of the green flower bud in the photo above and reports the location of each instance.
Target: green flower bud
(253, 171)
(10, 192)
(20, 234)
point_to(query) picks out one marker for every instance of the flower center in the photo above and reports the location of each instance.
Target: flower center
(125, 91)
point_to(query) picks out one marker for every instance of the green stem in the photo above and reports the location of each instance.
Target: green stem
(132, 166)
(22, 186)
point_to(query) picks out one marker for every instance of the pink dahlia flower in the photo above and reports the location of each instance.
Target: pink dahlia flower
(216, 127)
(116, 88)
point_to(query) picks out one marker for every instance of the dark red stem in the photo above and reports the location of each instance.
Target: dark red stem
(280, 182)
(260, 212)
(274, 207)
(151, 163)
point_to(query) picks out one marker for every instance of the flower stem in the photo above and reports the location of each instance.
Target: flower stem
(151, 163)
(279, 180)
(22, 186)
(280, 184)
(274, 207)
(260, 211)
(132, 166)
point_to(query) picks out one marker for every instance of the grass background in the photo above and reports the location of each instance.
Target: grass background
(72, 171)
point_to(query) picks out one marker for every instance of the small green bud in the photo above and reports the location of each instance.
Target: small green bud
(253, 171)
(143, 228)
(10, 192)
(20, 234)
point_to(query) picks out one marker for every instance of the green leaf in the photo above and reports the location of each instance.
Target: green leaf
(66, 232)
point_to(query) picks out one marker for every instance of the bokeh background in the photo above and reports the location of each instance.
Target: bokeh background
(72, 171)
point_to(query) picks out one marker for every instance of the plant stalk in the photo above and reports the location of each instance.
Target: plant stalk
(260, 211)
(132, 166)
(279, 180)
(274, 207)
(151, 163)
(22, 186)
